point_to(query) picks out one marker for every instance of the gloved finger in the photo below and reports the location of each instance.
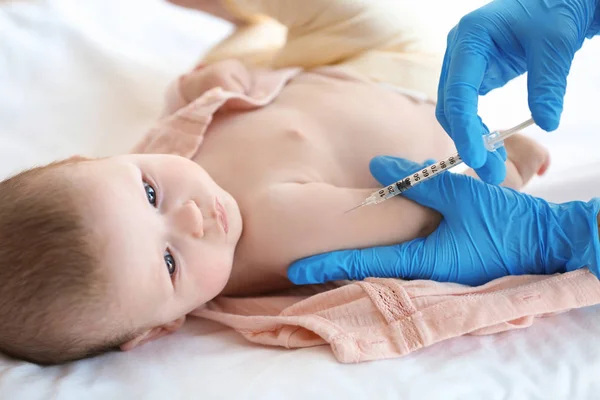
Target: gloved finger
(499, 74)
(439, 107)
(502, 152)
(465, 75)
(494, 170)
(333, 266)
(547, 78)
(393, 261)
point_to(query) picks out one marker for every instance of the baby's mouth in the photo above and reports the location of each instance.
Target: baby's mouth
(222, 215)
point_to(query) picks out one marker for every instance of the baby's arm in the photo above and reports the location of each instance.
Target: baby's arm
(294, 220)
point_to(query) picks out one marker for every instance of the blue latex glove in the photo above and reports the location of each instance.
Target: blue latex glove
(498, 42)
(487, 232)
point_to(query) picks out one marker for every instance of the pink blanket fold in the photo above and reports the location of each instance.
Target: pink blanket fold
(386, 318)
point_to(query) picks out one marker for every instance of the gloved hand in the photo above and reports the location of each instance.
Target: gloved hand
(486, 232)
(498, 42)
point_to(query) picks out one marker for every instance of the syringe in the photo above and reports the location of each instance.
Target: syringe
(492, 141)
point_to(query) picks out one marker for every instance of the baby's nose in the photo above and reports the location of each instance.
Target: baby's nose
(188, 219)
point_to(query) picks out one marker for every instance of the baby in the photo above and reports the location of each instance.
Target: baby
(263, 159)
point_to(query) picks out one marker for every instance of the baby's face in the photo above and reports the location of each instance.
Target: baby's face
(166, 231)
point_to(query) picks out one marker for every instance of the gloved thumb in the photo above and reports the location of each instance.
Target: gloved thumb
(406, 260)
(547, 79)
(321, 268)
(387, 170)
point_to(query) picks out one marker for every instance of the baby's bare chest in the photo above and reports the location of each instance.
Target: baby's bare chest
(319, 129)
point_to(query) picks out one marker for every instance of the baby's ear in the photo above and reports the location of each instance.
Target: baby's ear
(153, 334)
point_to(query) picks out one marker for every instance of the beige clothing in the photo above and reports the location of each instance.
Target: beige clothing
(386, 40)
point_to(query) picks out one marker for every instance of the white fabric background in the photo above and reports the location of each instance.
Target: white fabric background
(88, 76)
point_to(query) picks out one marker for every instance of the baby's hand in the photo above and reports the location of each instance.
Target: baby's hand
(231, 75)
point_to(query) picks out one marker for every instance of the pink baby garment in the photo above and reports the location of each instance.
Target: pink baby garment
(386, 318)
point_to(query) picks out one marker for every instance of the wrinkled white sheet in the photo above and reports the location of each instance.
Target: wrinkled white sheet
(87, 77)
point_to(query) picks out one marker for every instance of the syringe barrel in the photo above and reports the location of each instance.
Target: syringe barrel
(416, 178)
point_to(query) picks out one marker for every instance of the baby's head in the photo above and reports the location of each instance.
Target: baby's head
(109, 253)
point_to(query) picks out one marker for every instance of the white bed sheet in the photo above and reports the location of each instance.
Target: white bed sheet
(87, 77)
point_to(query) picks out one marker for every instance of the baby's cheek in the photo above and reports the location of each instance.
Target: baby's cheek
(211, 277)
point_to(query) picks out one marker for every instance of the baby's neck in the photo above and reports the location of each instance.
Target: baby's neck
(251, 276)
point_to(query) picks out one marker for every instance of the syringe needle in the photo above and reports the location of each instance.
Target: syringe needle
(357, 207)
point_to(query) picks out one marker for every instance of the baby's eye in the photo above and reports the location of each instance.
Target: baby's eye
(150, 194)
(170, 262)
